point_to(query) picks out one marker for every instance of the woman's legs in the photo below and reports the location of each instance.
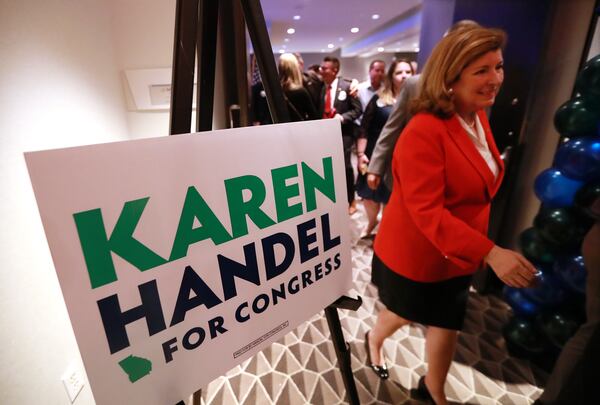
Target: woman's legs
(372, 209)
(440, 345)
(386, 324)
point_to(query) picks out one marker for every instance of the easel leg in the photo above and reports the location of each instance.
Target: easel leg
(342, 351)
(197, 398)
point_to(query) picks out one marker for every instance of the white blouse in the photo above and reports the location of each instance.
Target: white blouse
(477, 135)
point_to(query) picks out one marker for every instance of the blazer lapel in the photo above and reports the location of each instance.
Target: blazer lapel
(336, 101)
(465, 144)
(493, 149)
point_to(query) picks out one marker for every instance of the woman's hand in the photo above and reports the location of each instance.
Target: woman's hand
(373, 181)
(511, 267)
(362, 163)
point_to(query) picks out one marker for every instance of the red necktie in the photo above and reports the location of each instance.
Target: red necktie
(327, 111)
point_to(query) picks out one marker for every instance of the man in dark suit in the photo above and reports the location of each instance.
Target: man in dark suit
(337, 103)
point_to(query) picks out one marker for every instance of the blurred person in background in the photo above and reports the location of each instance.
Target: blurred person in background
(374, 118)
(299, 103)
(336, 103)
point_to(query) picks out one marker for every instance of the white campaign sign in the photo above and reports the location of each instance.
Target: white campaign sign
(180, 257)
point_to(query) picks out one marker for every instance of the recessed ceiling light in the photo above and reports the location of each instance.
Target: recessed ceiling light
(375, 16)
(291, 31)
(417, 49)
(297, 17)
(354, 30)
(286, 40)
(380, 49)
(282, 51)
(330, 46)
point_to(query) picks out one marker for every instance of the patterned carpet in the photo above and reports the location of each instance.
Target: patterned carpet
(301, 368)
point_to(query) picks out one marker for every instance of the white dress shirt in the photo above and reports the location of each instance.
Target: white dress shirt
(477, 135)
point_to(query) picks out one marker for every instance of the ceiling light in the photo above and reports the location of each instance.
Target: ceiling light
(340, 39)
(375, 16)
(282, 51)
(417, 49)
(291, 31)
(297, 17)
(330, 46)
(380, 49)
(322, 50)
(354, 30)
(286, 40)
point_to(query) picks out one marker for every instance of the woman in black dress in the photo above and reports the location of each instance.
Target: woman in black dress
(376, 114)
(298, 99)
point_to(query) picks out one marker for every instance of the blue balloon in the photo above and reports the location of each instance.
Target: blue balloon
(579, 159)
(521, 305)
(555, 189)
(546, 291)
(571, 271)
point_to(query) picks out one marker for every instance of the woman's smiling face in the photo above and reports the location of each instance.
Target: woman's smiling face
(479, 83)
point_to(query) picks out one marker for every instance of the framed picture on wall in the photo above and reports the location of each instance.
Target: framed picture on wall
(151, 88)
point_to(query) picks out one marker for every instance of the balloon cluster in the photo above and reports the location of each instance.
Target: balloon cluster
(548, 313)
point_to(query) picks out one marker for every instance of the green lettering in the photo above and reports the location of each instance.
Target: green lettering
(312, 182)
(284, 192)
(194, 207)
(238, 208)
(97, 247)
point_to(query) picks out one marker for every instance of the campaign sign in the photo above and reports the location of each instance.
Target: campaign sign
(180, 257)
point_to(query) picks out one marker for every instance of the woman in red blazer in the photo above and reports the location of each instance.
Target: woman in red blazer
(432, 237)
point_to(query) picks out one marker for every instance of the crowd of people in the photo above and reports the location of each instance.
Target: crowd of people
(362, 109)
(426, 154)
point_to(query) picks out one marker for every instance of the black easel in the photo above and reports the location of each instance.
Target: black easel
(196, 35)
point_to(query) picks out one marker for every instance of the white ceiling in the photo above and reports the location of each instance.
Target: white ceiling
(324, 25)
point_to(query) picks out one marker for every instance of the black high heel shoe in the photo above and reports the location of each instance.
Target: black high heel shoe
(423, 392)
(381, 371)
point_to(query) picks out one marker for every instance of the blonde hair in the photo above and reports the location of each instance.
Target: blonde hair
(290, 76)
(446, 63)
(387, 92)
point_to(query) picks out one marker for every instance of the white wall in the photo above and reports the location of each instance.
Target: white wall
(58, 87)
(145, 41)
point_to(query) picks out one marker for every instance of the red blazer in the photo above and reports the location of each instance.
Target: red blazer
(435, 224)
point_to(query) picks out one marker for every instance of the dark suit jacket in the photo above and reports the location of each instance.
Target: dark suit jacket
(435, 224)
(300, 106)
(347, 106)
(313, 83)
(259, 107)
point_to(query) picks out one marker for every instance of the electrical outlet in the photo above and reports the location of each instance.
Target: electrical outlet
(73, 382)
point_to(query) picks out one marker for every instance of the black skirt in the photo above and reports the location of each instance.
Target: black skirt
(442, 303)
(381, 195)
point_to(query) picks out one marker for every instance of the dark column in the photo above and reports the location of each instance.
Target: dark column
(437, 17)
